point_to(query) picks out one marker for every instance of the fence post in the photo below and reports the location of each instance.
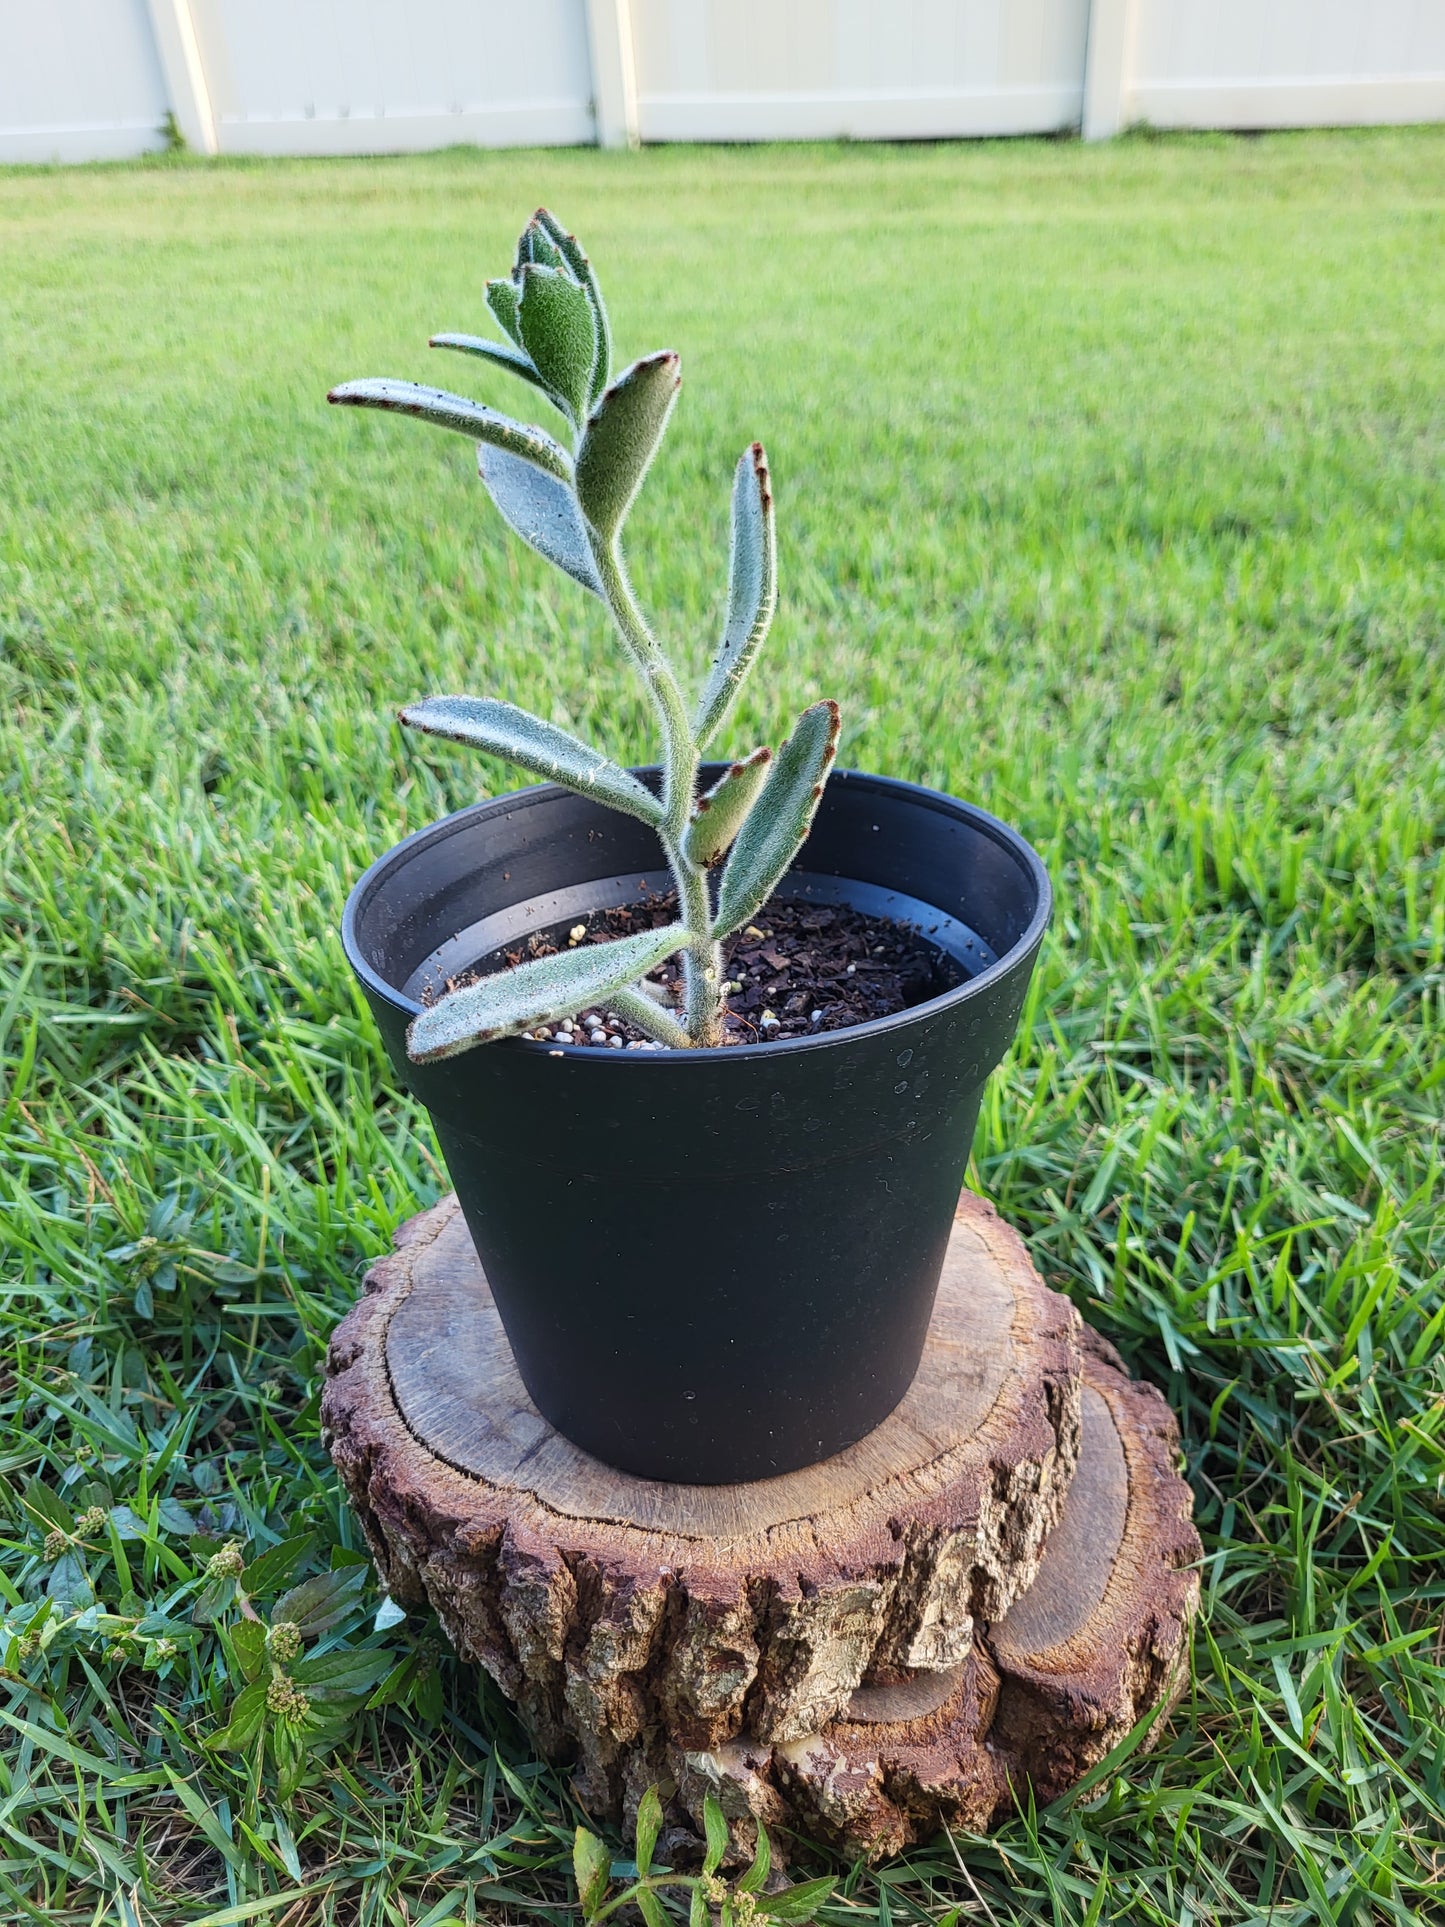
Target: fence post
(185, 76)
(614, 72)
(1108, 67)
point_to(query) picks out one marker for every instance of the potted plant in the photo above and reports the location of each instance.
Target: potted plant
(714, 1253)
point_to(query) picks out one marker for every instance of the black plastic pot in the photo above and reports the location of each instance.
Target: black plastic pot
(712, 1265)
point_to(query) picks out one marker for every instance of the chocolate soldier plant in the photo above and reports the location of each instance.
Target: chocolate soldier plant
(571, 509)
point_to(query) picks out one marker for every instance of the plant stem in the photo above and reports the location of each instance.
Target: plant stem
(654, 1019)
(680, 754)
(702, 960)
(653, 1881)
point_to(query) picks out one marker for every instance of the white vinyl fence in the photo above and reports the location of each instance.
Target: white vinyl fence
(1279, 63)
(98, 79)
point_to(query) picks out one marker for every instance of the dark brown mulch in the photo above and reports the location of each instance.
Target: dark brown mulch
(801, 968)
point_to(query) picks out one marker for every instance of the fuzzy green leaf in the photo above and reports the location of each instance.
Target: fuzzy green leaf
(500, 355)
(502, 300)
(697, 1908)
(715, 1826)
(560, 334)
(797, 1903)
(502, 729)
(752, 590)
(652, 1017)
(572, 253)
(535, 247)
(718, 814)
(622, 437)
(543, 511)
(442, 410)
(509, 1001)
(649, 1825)
(757, 1873)
(592, 1865)
(778, 821)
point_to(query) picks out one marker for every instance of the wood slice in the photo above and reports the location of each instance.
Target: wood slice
(626, 1615)
(1097, 1640)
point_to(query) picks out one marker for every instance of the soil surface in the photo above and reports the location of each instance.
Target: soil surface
(800, 969)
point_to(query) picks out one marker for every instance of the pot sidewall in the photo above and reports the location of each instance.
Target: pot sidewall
(715, 1265)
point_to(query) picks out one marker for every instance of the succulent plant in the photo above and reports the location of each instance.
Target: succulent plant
(728, 847)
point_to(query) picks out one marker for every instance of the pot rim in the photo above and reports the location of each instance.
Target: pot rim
(532, 794)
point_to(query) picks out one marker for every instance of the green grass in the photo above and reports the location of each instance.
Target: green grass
(1109, 496)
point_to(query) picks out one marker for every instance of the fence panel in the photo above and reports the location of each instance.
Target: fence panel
(95, 79)
(362, 76)
(868, 69)
(1288, 63)
(80, 80)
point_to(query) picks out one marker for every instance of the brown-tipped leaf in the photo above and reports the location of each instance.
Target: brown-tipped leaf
(622, 437)
(502, 729)
(752, 590)
(442, 410)
(502, 300)
(535, 245)
(573, 254)
(509, 1001)
(778, 821)
(718, 815)
(543, 511)
(560, 335)
(500, 354)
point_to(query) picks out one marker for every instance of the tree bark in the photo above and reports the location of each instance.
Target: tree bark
(636, 1623)
(1043, 1695)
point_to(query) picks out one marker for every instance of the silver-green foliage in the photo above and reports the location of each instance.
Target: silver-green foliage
(571, 508)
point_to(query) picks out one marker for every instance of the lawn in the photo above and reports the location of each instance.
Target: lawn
(1108, 485)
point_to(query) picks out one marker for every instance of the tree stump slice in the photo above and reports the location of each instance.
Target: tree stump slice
(629, 1618)
(1098, 1639)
